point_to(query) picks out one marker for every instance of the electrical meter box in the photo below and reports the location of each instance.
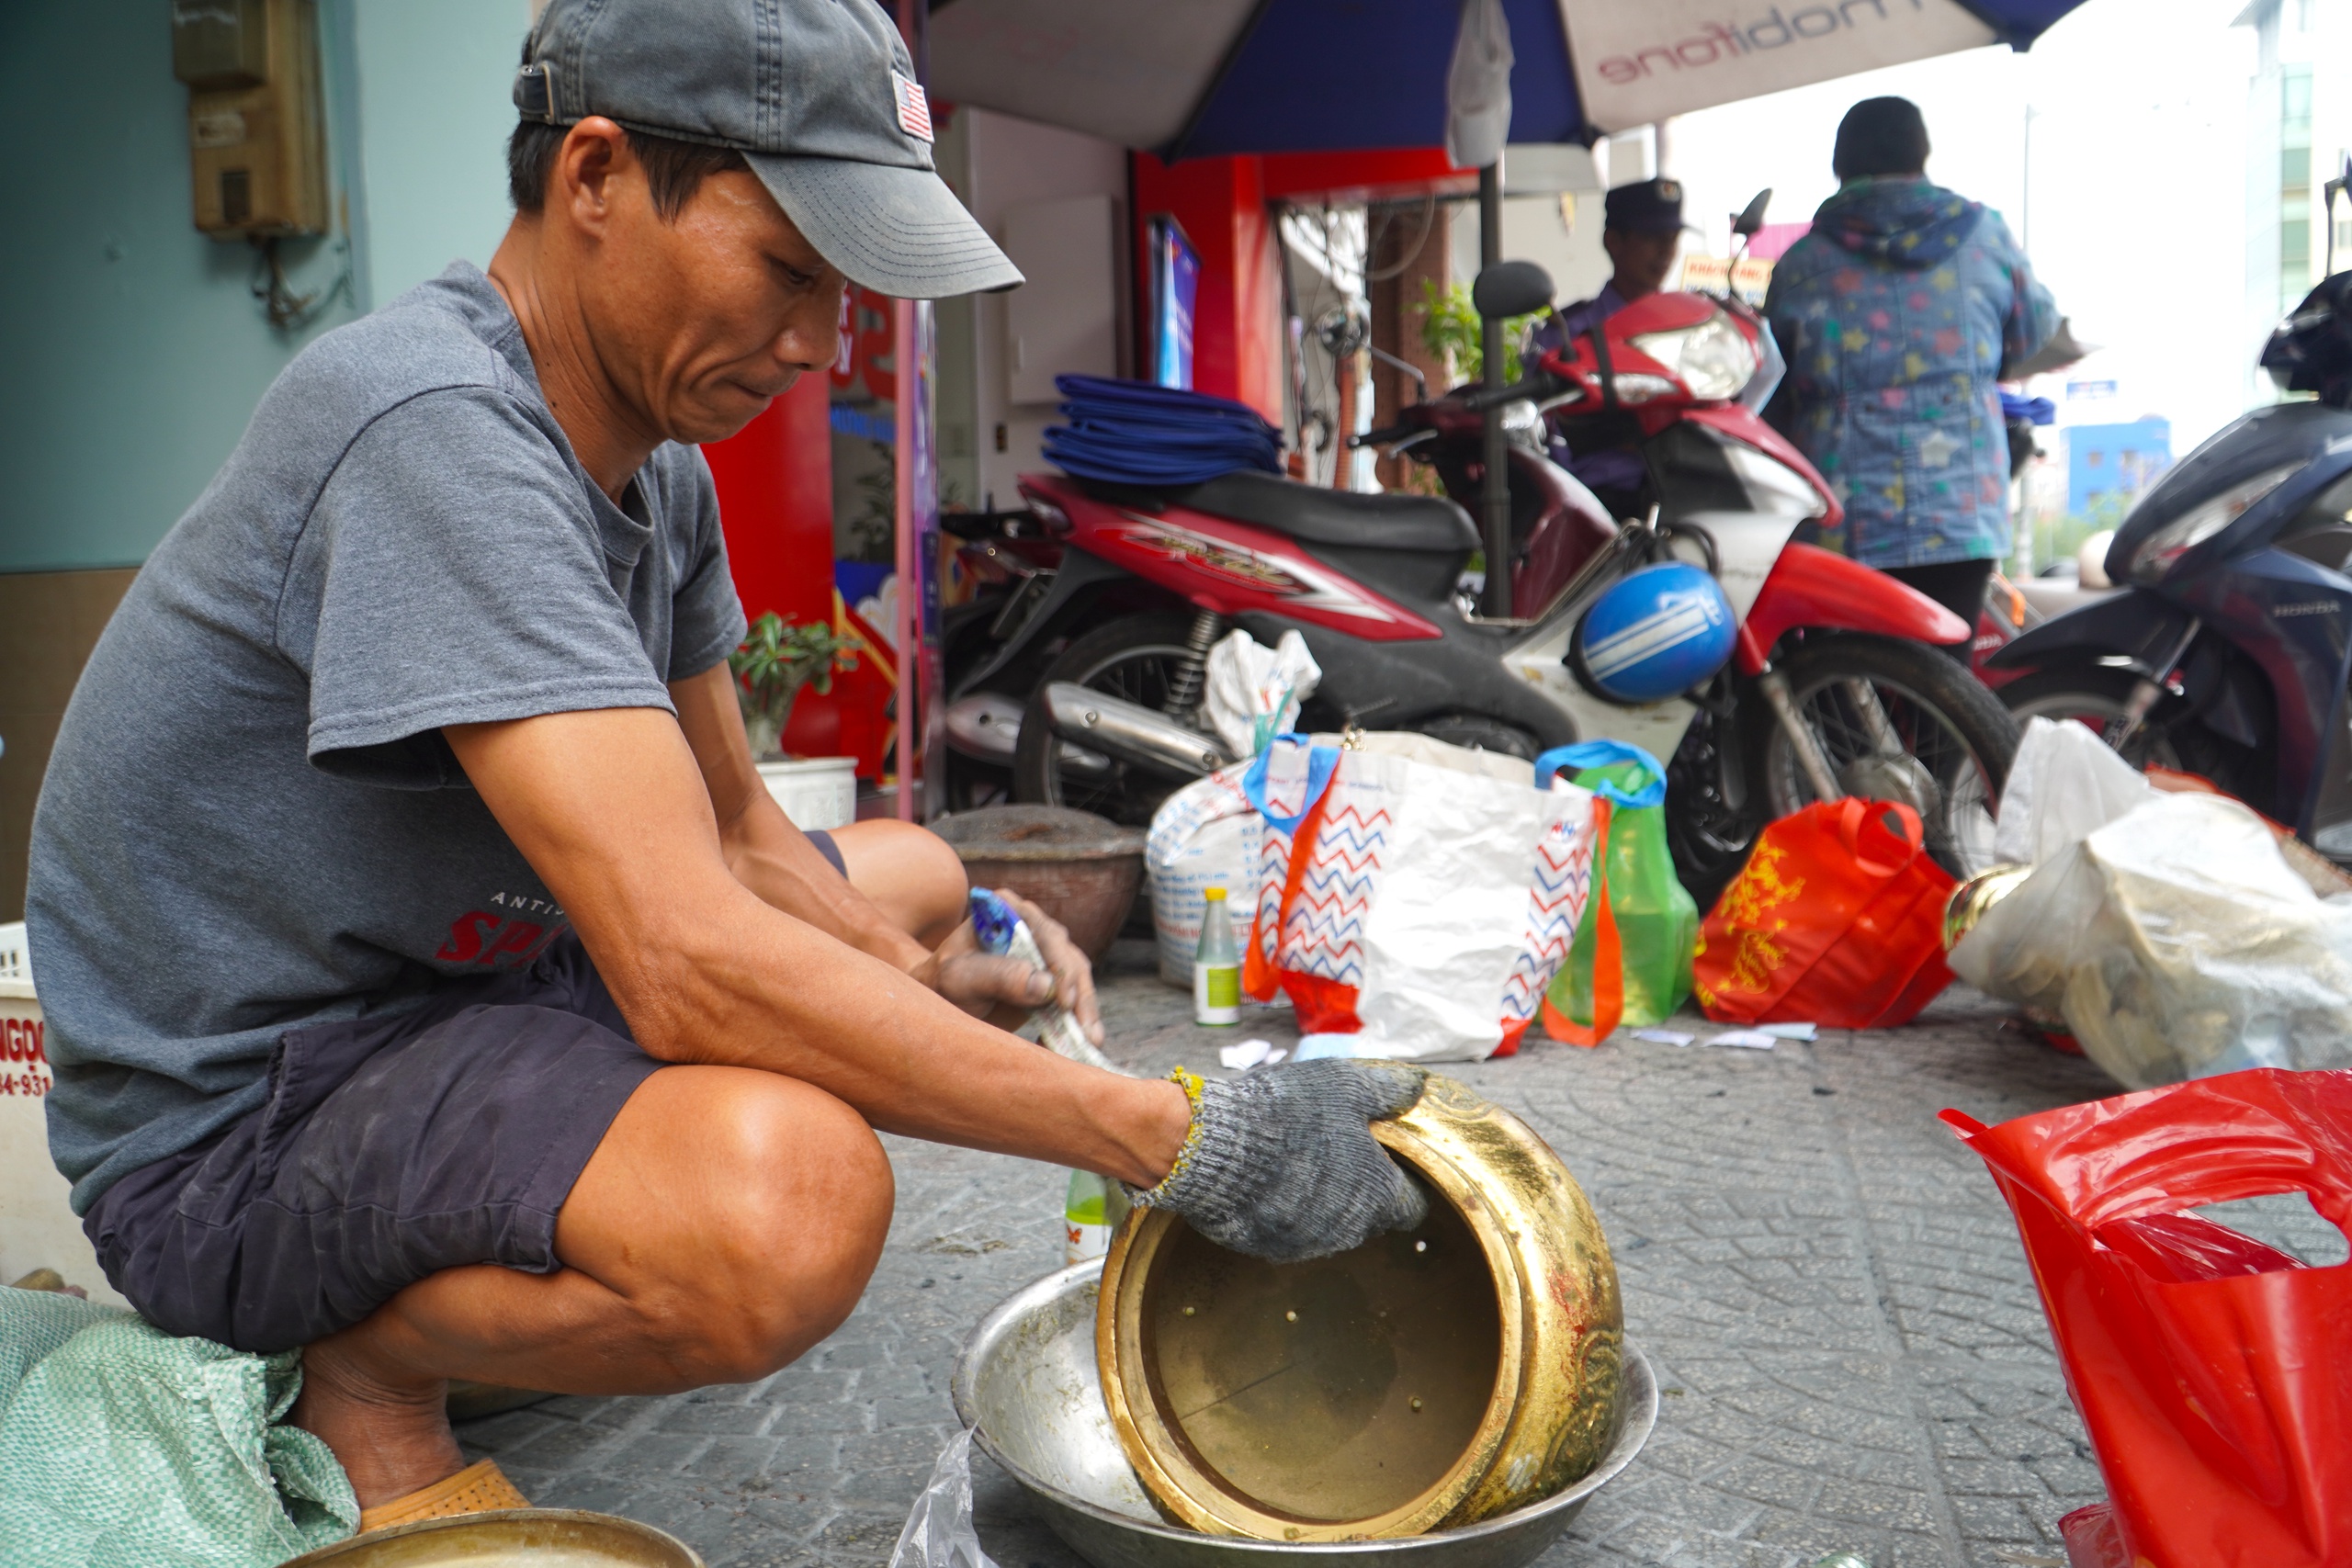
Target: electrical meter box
(255, 120)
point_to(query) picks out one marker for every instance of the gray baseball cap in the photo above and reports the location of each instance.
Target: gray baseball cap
(819, 98)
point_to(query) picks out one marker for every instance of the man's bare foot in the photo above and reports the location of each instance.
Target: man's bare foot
(389, 1433)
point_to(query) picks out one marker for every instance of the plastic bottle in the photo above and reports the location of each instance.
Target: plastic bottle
(1093, 1208)
(1216, 966)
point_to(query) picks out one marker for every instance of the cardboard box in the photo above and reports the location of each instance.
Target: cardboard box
(38, 1226)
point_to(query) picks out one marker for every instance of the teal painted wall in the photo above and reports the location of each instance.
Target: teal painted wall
(434, 109)
(131, 350)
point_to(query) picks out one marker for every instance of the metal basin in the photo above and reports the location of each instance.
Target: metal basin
(1028, 1381)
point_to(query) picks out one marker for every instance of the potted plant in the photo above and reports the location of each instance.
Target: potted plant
(774, 662)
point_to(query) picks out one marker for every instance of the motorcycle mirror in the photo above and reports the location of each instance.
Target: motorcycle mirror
(1751, 216)
(1512, 288)
(1341, 331)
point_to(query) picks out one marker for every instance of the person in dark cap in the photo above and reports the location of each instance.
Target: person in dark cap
(1642, 232)
(432, 985)
(1896, 314)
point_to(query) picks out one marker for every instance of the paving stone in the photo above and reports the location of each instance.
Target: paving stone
(737, 1419)
(1829, 1281)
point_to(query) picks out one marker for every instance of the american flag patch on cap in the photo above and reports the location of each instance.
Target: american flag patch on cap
(914, 109)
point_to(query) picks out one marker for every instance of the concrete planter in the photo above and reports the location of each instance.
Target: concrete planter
(815, 792)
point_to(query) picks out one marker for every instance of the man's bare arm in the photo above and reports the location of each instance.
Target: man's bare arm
(775, 860)
(761, 846)
(611, 811)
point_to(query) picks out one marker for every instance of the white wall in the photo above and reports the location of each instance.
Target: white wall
(1535, 229)
(1000, 162)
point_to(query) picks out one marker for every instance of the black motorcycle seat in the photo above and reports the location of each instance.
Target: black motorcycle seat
(1422, 524)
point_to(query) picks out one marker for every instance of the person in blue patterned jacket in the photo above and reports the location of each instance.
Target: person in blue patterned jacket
(1896, 314)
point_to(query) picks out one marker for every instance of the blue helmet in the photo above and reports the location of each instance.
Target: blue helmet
(1655, 634)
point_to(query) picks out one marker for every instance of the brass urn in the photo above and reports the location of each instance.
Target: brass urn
(1968, 902)
(1422, 1380)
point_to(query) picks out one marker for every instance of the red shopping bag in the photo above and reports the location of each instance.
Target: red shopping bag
(1836, 920)
(2213, 1373)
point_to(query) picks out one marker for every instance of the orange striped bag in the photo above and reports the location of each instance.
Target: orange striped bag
(1416, 895)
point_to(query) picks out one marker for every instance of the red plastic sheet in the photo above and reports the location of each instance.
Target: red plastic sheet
(2211, 1370)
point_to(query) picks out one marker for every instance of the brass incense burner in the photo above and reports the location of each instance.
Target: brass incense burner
(1424, 1379)
(1970, 900)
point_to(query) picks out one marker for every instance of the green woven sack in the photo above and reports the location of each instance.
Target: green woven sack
(125, 1447)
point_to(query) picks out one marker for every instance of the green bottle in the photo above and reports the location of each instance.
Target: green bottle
(1091, 1211)
(1216, 966)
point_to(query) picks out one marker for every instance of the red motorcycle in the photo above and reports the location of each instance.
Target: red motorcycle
(1832, 689)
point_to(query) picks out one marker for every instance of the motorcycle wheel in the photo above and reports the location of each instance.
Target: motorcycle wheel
(1941, 715)
(1135, 657)
(2092, 697)
(1479, 733)
(1708, 834)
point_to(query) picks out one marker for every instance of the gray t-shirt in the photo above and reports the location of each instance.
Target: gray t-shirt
(251, 820)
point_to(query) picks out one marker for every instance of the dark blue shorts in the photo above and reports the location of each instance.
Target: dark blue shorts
(827, 848)
(386, 1150)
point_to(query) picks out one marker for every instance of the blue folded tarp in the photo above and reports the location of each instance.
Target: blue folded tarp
(1136, 434)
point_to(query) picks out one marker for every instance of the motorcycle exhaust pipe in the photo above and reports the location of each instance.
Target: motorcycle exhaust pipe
(1130, 731)
(987, 728)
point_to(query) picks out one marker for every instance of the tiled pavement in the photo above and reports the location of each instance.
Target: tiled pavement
(1831, 1292)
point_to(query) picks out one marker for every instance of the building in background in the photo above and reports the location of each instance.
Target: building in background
(2107, 465)
(2298, 129)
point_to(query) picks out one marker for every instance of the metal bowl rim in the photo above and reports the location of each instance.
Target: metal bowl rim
(355, 1545)
(1630, 1438)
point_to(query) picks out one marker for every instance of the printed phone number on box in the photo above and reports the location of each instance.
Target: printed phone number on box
(21, 1042)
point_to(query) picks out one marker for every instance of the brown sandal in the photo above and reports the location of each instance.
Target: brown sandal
(476, 1489)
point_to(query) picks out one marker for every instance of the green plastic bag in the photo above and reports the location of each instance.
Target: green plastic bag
(1657, 919)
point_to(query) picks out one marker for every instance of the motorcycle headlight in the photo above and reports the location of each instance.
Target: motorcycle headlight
(2154, 555)
(1712, 359)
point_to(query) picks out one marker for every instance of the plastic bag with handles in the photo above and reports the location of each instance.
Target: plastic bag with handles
(1631, 962)
(2214, 1372)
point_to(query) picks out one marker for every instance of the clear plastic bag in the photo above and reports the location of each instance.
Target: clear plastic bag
(2064, 785)
(2179, 943)
(939, 1532)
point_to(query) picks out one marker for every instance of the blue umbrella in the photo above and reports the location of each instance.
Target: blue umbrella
(1196, 78)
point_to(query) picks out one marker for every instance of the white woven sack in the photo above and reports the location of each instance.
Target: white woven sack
(1203, 836)
(1442, 894)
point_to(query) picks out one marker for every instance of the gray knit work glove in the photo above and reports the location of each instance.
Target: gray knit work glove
(1281, 1163)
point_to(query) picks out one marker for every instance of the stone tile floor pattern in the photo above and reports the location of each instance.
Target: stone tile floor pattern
(1828, 1287)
